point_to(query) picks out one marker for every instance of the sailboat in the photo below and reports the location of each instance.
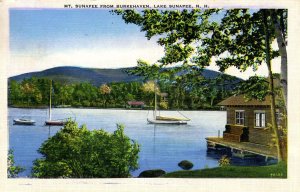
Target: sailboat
(157, 119)
(50, 121)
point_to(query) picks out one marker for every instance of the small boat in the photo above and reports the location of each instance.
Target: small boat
(51, 122)
(55, 122)
(167, 120)
(23, 121)
(177, 122)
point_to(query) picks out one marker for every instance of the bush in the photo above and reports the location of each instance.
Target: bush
(76, 104)
(186, 165)
(224, 161)
(12, 169)
(86, 103)
(75, 152)
(163, 105)
(152, 173)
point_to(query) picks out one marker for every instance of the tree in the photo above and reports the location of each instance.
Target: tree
(12, 169)
(266, 16)
(104, 90)
(15, 93)
(150, 91)
(180, 89)
(65, 94)
(28, 89)
(241, 39)
(247, 38)
(76, 152)
(279, 17)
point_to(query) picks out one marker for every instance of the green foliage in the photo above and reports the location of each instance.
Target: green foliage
(254, 88)
(242, 39)
(192, 38)
(12, 169)
(145, 70)
(224, 161)
(272, 171)
(76, 152)
(186, 91)
(163, 105)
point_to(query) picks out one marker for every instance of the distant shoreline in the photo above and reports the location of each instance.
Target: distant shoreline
(137, 109)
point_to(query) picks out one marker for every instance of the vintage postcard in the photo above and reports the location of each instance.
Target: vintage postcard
(149, 95)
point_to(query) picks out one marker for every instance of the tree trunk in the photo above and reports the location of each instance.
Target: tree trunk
(271, 85)
(279, 32)
(212, 101)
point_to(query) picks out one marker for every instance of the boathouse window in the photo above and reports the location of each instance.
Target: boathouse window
(260, 119)
(239, 117)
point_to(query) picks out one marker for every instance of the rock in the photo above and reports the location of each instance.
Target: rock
(186, 165)
(152, 173)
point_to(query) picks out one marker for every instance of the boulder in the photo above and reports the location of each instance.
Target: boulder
(186, 165)
(152, 173)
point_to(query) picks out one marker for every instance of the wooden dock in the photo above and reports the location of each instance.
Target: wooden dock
(257, 149)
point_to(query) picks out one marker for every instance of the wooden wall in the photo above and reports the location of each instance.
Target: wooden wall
(256, 135)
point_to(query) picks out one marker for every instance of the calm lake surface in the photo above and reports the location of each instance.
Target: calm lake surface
(162, 146)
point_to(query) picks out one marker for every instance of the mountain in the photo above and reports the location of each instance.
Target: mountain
(78, 74)
(92, 75)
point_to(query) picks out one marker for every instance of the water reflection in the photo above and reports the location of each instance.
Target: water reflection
(255, 160)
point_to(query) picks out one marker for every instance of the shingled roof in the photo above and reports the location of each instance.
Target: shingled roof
(240, 100)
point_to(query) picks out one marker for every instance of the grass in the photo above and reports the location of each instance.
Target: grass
(271, 171)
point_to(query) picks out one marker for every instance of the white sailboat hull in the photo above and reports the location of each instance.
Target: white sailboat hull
(164, 120)
(175, 122)
(24, 122)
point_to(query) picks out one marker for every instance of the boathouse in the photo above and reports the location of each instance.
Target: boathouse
(247, 126)
(135, 104)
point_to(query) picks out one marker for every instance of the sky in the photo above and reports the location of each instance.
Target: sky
(46, 38)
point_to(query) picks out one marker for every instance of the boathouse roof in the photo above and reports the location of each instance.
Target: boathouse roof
(136, 103)
(240, 100)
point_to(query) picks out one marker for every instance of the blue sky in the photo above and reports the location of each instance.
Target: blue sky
(45, 38)
(59, 29)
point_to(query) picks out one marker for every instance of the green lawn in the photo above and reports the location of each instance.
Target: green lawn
(271, 171)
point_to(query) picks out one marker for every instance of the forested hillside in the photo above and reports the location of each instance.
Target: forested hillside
(84, 87)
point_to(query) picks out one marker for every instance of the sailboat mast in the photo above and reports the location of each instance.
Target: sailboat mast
(50, 100)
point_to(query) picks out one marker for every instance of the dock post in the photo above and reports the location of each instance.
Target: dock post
(266, 159)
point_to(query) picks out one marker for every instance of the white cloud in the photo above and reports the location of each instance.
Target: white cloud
(106, 54)
(261, 71)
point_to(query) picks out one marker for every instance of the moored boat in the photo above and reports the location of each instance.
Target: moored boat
(51, 122)
(23, 121)
(157, 119)
(55, 122)
(174, 122)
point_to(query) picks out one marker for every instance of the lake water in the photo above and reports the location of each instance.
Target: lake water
(162, 146)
